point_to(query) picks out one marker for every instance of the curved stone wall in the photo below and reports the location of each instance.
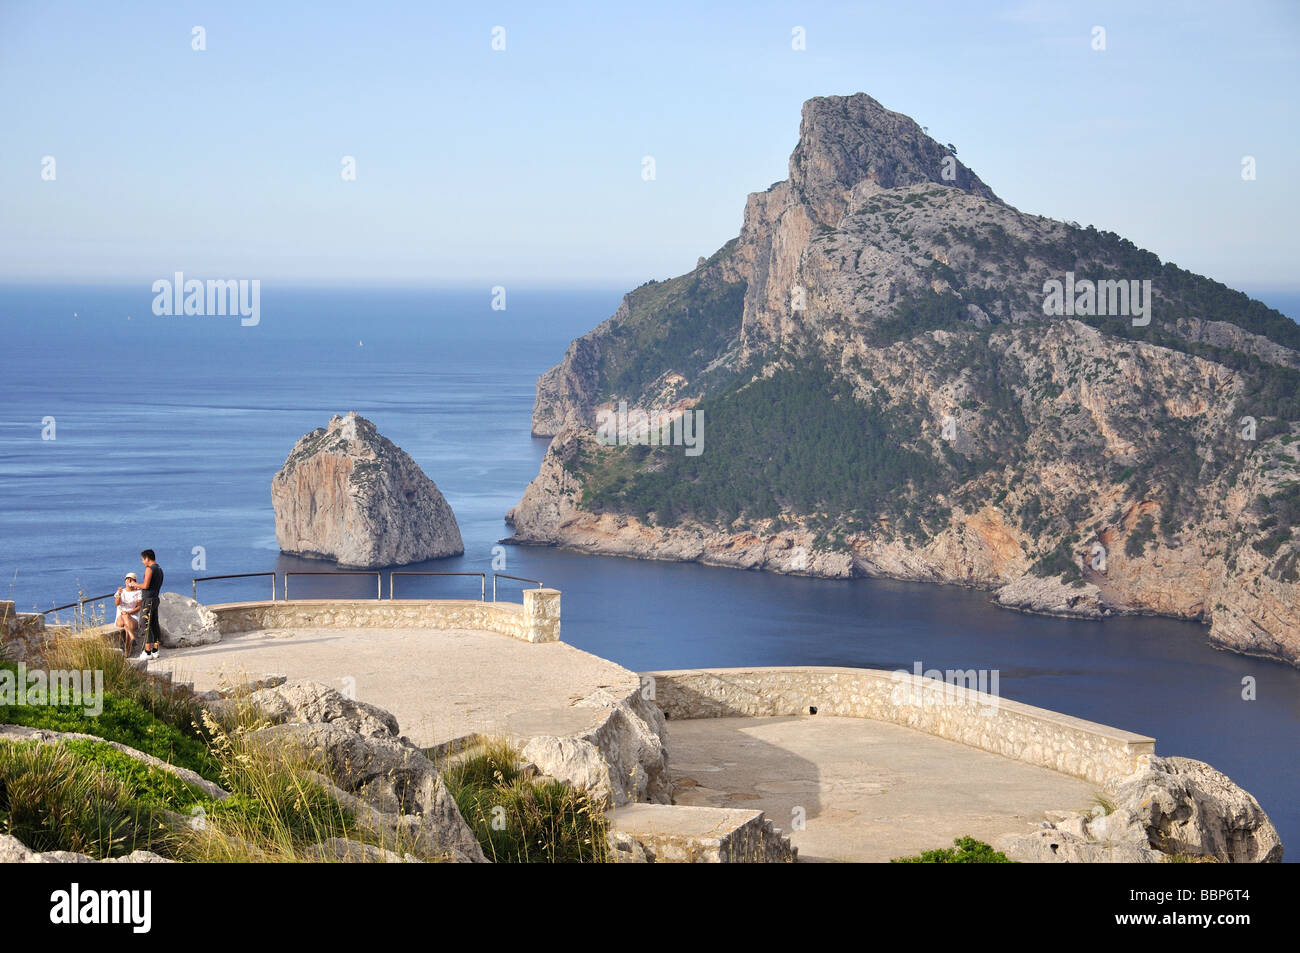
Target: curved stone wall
(1049, 739)
(537, 620)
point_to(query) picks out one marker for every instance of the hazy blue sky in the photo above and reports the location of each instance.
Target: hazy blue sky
(525, 165)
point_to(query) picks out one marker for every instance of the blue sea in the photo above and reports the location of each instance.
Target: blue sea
(167, 431)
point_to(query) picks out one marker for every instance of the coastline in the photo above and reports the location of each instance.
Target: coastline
(588, 544)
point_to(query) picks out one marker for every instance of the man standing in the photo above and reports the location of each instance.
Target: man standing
(151, 589)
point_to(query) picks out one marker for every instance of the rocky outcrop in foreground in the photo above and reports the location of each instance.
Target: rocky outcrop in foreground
(349, 494)
(1174, 806)
(186, 623)
(14, 851)
(620, 760)
(386, 782)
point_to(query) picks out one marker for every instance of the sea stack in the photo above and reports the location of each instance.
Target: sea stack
(348, 493)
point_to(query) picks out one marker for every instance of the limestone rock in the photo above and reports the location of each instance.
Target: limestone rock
(1126, 441)
(1052, 597)
(185, 622)
(1188, 807)
(394, 779)
(388, 784)
(349, 494)
(1171, 806)
(310, 702)
(14, 851)
(620, 761)
(1055, 846)
(342, 850)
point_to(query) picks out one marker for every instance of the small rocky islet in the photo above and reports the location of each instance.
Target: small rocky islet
(348, 493)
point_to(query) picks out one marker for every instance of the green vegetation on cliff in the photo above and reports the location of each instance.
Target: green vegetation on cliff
(798, 441)
(679, 325)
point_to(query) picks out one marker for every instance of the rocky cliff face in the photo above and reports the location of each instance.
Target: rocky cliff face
(887, 395)
(348, 493)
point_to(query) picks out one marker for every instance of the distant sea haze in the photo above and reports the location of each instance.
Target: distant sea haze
(169, 429)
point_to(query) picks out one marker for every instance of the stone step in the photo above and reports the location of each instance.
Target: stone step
(676, 833)
(450, 752)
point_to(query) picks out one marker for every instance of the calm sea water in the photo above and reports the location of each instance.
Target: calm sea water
(168, 431)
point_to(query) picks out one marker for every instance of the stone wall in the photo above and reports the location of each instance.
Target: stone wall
(1070, 745)
(21, 633)
(537, 620)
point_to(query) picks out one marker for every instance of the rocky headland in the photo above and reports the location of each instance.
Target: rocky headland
(886, 395)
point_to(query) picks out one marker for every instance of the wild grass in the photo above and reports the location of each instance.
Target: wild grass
(167, 703)
(50, 799)
(85, 795)
(275, 813)
(125, 719)
(1102, 805)
(518, 819)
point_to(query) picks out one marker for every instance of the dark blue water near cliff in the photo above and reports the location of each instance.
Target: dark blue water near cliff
(168, 431)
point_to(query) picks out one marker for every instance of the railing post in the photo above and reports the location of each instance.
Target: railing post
(379, 585)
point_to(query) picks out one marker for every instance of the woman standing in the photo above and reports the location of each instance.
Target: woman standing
(150, 590)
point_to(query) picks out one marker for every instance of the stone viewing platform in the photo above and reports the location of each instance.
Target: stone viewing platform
(447, 669)
(730, 765)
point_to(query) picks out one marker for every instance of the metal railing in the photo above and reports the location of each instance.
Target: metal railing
(501, 575)
(482, 578)
(238, 575)
(379, 579)
(80, 604)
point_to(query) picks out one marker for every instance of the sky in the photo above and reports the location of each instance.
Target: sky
(525, 164)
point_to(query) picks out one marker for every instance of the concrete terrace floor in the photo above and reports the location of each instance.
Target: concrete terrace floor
(870, 791)
(440, 684)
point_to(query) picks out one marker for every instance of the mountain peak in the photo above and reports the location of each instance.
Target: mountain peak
(852, 141)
